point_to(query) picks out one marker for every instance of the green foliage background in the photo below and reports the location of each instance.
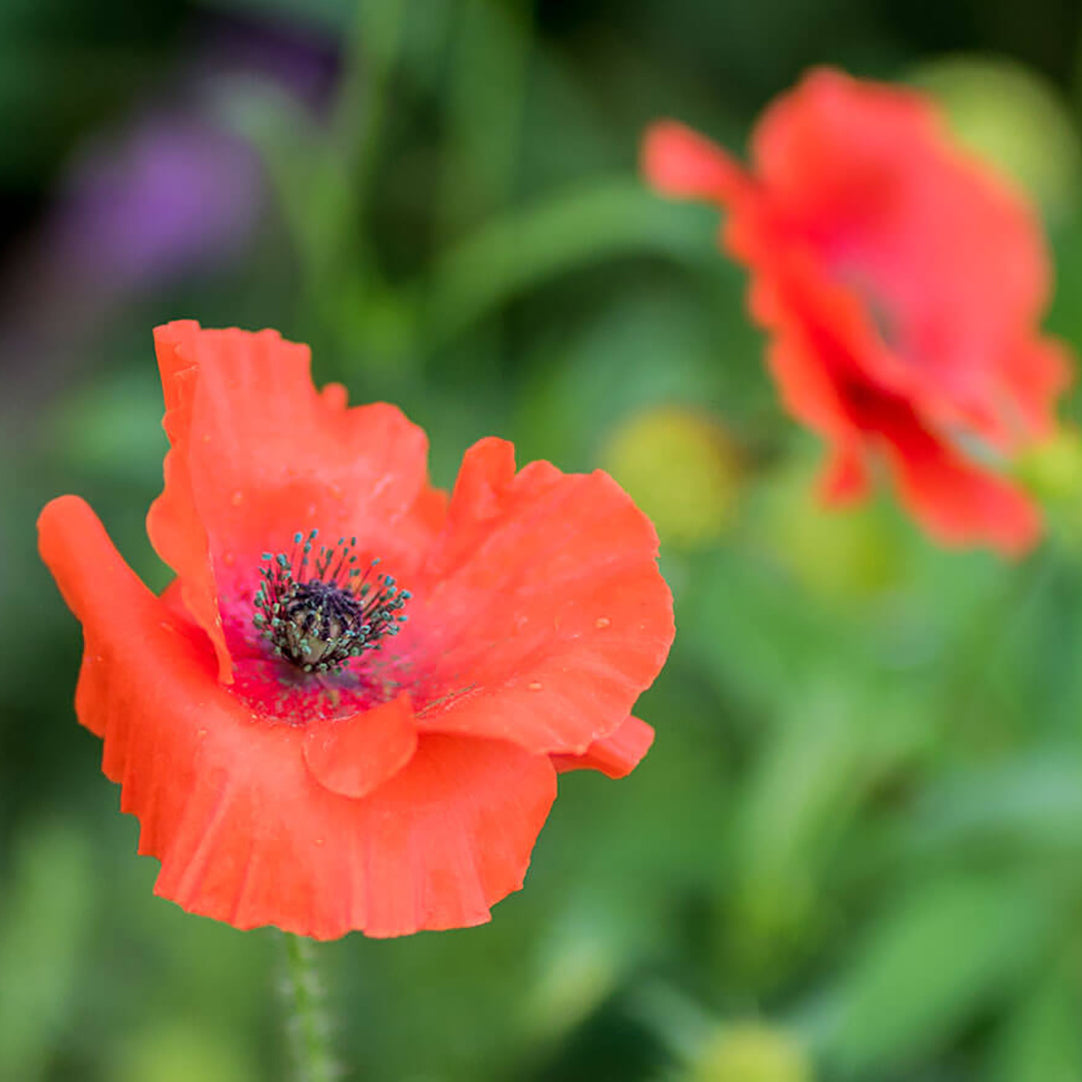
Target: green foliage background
(855, 852)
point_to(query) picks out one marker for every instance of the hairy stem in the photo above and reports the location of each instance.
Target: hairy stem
(309, 1028)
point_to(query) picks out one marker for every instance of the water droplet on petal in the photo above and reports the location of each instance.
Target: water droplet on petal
(602, 622)
(534, 685)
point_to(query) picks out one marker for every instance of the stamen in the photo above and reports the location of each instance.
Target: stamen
(318, 619)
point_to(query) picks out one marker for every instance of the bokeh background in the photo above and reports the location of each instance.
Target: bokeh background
(855, 852)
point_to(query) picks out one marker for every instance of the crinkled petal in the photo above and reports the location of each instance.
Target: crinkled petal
(542, 609)
(257, 454)
(226, 801)
(616, 755)
(173, 522)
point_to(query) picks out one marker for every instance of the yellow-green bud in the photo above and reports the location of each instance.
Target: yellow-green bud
(680, 468)
(751, 1052)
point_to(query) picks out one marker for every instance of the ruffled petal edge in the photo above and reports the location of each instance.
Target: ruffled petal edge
(555, 578)
(616, 755)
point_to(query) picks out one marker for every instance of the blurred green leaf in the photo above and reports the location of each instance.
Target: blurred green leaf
(173, 1051)
(46, 911)
(647, 347)
(1042, 1041)
(310, 177)
(755, 636)
(519, 250)
(484, 103)
(930, 964)
(110, 427)
(1028, 803)
(796, 806)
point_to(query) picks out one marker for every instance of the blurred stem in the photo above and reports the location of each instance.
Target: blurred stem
(363, 108)
(309, 1028)
(327, 184)
(485, 102)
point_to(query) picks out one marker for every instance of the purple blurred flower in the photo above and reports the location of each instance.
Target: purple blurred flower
(173, 192)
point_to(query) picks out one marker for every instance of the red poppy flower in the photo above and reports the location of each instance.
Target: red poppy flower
(901, 282)
(297, 751)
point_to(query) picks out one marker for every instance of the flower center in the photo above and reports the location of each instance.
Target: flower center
(318, 611)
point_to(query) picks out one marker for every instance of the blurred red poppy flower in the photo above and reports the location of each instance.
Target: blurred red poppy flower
(901, 282)
(305, 742)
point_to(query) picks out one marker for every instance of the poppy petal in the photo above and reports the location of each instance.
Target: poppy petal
(226, 801)
(433, 847)
(352, 756)
(258, 454)
(939, 243)
(845, 478)
(173, 523)
(958, 503)
(1035, 374)
(544, 609)
(616, 755)
(681, 163)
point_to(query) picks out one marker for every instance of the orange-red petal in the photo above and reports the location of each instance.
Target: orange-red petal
(257, 454)
(958, 503)
(814, 357)
(679, 162)
(353, 756)
(542, 607)
(173, 523)
(615, 755)
(228, 803)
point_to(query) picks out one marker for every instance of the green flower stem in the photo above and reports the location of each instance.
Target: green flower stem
(309, 1028)
(359, 124)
